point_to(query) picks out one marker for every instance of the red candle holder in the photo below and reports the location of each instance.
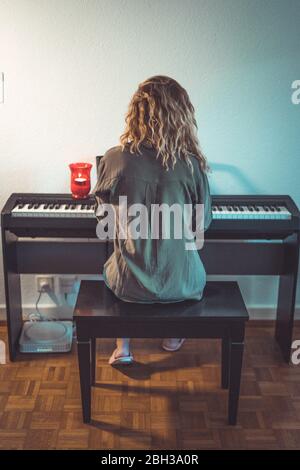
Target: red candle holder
(80, 179)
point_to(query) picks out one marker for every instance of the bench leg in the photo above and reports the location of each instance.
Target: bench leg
(84, 360)
(225, 362)
(93, 361)
(235, 369)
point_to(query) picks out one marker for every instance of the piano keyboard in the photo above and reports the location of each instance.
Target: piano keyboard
(251, 212)
(54, 210)
(74, 209)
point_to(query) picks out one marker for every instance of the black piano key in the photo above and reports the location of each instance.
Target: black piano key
(229, 208)
(272, 208)
(67, 206)
(20, 206)
(51, 206)
(57, 206)
(277, 209)
(214, 208)
(30, 206)
(266, 208)
(257, 209)
(218, 207)
(36, 205)
(251, 208)
(45, 206)
(83, 206)
(235, 208)
(72, 207)
(241, 209)
(93, 207)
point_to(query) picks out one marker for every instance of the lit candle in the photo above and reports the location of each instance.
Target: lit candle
(80, 180)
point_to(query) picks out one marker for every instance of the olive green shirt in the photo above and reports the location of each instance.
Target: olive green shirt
(151, 270)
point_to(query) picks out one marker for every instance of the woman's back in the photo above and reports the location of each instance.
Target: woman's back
(153, 261)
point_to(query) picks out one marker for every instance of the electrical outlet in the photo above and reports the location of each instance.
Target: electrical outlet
(45, 283)
(66, 284)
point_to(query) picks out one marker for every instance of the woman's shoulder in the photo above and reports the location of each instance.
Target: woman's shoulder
(114, 161)
(114, 155)
(112, 152)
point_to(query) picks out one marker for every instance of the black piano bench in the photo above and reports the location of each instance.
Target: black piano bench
(220, 314)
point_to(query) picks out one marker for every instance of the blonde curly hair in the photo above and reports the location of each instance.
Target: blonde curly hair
(161, 114)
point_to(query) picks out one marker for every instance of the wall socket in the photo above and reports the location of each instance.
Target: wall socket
(66, 284)
(45, 283)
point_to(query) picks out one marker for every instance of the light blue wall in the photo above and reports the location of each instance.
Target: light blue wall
(71, 66)
(249, 127)
(247, 119)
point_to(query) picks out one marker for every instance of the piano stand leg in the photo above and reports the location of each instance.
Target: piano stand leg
(12, 293)
(286, 298)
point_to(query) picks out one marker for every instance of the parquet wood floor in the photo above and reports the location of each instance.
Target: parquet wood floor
(164, 401)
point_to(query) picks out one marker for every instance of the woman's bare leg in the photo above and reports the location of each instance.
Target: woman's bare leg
(123, 346)
(122, 350)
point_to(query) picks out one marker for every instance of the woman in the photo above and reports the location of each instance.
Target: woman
(158, 162)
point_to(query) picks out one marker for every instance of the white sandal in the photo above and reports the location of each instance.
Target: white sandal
(125, 360)
(172, 344)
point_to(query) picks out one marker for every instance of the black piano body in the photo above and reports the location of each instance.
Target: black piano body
(234, 245)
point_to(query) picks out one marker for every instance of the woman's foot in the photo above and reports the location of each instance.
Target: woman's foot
(172, 344)
(120, 357)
